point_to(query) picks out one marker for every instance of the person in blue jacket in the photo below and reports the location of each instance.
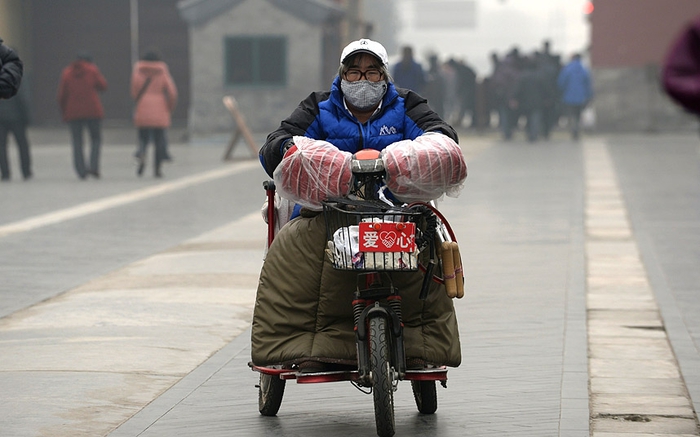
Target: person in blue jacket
(408, 73)
(363, 109)
(574, 83)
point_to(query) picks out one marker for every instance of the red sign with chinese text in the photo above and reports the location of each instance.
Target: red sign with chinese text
(388, 237)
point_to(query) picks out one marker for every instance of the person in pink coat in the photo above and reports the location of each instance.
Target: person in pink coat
(155, 97)
(79, 100)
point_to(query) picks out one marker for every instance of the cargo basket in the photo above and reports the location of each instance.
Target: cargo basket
(371, 236)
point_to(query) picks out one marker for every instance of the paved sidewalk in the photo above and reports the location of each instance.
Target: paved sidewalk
(110, 346)
(532, 263)
(159, 346)
(522, 326)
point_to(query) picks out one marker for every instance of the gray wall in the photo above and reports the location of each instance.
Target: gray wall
(630, 99)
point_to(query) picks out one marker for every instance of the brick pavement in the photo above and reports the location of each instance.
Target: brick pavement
(636, 386)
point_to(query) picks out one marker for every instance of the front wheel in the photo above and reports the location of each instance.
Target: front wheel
(270, 392)
(425, 395)
(382, 387)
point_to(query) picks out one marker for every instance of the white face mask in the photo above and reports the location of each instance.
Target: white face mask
(363, 94)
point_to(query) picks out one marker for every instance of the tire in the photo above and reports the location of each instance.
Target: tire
(382, 387)
(425, 394)
(270, 392)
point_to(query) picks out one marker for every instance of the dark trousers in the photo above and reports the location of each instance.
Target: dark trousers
(19, 131)
(76, 130)
(573, 113)
(157, 135)
(507, 120)
(533, 125)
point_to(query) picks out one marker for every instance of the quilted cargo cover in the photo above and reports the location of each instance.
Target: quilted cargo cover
(303, 307)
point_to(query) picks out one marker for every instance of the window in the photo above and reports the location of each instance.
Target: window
(256, 60)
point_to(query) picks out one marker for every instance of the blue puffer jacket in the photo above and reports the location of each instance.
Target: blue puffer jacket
(574, 82)
(323, 116)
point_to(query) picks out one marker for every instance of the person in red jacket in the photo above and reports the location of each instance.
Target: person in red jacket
(155, 97)
(79, 99)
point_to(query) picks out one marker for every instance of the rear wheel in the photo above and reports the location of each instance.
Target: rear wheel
(425, 395)
(382, 386)
(270, 392)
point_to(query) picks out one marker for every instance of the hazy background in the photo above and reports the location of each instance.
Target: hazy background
(471, 30)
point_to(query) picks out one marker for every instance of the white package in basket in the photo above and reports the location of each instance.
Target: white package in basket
(344, 251)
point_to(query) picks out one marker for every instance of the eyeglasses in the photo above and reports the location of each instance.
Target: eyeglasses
(371, 75)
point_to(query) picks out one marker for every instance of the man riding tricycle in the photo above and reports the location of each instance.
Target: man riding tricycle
(358, 285)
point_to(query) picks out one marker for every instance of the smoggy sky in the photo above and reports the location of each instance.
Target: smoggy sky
(499, 25)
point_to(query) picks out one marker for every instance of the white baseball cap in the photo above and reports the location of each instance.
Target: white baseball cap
(366, 46)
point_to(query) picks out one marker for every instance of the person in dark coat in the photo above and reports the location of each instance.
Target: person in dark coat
(529, 94)
(466, 90)
(489, 92)
(435, 87)
(681, 68)
(79, 100)
(548, 71)
(503, 84)
(11, 69)
(14, 118)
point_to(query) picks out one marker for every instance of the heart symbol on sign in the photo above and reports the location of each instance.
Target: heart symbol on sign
(388, 238)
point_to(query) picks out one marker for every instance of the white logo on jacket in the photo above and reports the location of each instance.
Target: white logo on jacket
(385, 130)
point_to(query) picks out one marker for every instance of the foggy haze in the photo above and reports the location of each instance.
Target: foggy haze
(499, 26)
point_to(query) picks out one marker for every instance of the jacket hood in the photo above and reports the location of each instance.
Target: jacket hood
(151, 68)
(575, 65)
(81, 67)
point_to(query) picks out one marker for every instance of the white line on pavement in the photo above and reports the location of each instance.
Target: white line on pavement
(120, 199)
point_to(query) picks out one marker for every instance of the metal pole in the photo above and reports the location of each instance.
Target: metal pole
(134, 31)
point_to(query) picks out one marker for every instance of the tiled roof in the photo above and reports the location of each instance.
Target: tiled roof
(311, 11)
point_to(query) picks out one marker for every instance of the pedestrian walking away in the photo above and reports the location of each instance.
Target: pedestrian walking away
(466, 92)
(574, 82)
(529, 96)
(435, 86)
(14, 119)
(503, 83)
(155, 97)
(79, 100)
(408, 73)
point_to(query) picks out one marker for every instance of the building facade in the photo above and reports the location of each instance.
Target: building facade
(628, 42)
(267, 54)
(49, 35)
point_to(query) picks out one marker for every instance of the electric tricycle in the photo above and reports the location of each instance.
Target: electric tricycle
(375, 238)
